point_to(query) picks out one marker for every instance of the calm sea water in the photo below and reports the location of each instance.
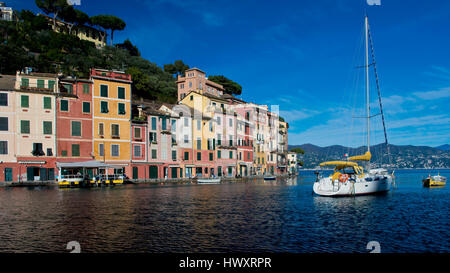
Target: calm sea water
(258, 216)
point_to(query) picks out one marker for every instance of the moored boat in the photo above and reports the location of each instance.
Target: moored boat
(349, 178)
(208, 180)
(269, 178)
(434, 181)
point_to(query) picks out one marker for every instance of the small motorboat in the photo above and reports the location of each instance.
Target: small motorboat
(434, 181)
(269, 178)
(208, 180)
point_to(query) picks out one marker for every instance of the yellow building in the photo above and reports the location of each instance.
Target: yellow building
(112, 116)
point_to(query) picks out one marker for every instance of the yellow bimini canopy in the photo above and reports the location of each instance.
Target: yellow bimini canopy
(339, 164)
(365, 157)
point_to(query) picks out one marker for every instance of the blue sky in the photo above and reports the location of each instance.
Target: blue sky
(301, 55)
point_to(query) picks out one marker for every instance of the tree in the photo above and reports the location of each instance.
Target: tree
(229, 86)
(108, 22)
(297, 150)
(132, 49)
(176, 68)
(74, 17)
(52, 7)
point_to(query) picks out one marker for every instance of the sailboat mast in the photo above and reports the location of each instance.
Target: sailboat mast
(367, 82)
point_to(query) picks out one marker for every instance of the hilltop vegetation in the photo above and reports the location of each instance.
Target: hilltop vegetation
(30, 42)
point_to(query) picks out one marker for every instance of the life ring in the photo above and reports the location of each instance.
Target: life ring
(343, 177)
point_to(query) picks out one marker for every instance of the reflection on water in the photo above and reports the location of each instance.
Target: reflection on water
(257, 216)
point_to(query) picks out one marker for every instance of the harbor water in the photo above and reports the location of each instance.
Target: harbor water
(255, 216)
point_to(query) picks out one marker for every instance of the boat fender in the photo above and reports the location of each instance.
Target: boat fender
(343, 178)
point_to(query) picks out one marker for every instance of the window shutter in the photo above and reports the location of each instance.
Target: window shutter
(47, 103)
(47, 127)
(24, 101)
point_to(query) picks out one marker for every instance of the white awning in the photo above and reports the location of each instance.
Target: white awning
(83, 164)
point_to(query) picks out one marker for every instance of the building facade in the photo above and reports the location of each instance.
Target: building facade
(111, 110)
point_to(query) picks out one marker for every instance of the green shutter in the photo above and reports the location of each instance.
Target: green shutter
(24, 126)
(86, 107)
(104, 91)
(211, 157)
(121, 93)
(51, 84)
(153, 123)
(199, 156)
(47, 127)
(86, 88)
(104, 107)
(75, 149)
(64, 105)
(219, 154)
(40, 83)
(25, 82)
(47, 103)
(186, 155)
(76, 128)
(121, 108)
(24, 101)
(69, 88)
(63, 153)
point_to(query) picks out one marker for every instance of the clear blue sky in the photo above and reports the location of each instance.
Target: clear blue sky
(301, 56)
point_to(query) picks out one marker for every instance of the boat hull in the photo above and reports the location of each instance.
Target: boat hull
(428, 183)
(209, 181)
(325, 187)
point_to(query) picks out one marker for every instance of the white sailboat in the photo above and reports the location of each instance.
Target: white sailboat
(349, 178)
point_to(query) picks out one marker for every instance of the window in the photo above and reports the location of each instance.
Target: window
(231, 122)
(199, 156)
(174, 155)
(75, 149)
(137, 132)
(248, 156)
(86, 107)
(218, 120)
(24, 126)
(85, 88)
(37, 149)
(231, 140)
(69, 88)
(121, 92)
(47, 103)
(101, 130)
(153, 123)
(103, 91)
(3, 147)
(40, 84)
(76, 128)
(24, 101)
(163, 124)
(152, 137)
(3, 124)
(64, 105)
(190, 85)
(219, 139)
(210, 126)
(51, 84)
(211, 157)
(199, 125)
(173, 125)
(121, 108)
(104, 107)
(25, 82)
(47, 127)
(137, 150)
(154, 154)
(186, 122)
(115, 150)
(3, 99)
(49, 152)
(115, 130)
(231, 155)
(199, 143)
(186, 155)
(101, 149)
(219, 154)
(64, 153)
(186, 139)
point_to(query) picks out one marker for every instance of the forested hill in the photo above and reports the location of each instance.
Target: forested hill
(402, 156)
(29, 41)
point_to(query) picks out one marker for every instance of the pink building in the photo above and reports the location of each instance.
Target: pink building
(196, 80)
(74, 120)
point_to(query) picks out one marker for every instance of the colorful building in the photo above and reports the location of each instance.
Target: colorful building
(111, 108)
(8, 160)
(35, 120)
(74, 120)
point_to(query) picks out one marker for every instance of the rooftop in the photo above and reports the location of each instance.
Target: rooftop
(7, 82)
